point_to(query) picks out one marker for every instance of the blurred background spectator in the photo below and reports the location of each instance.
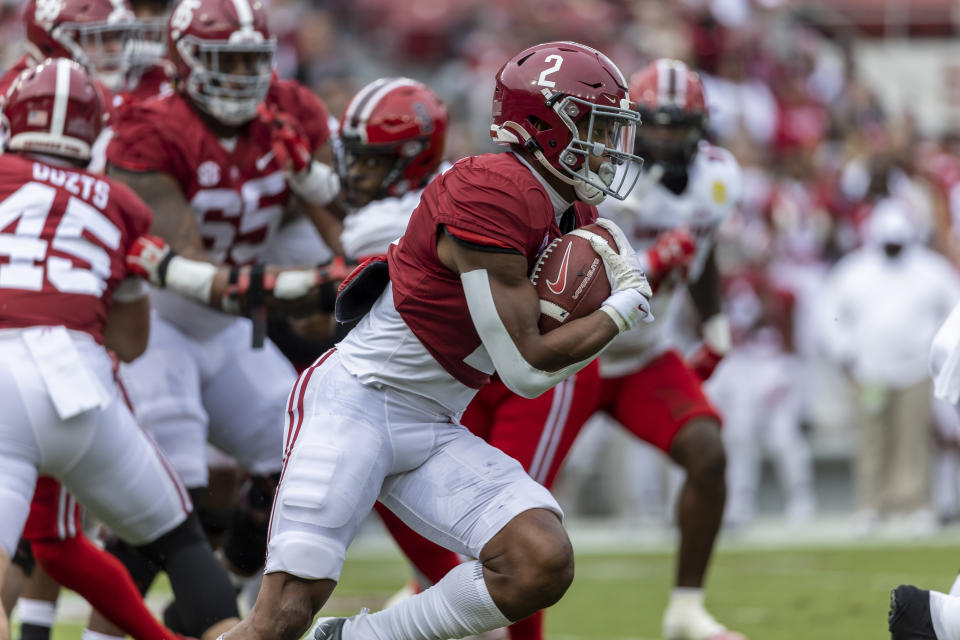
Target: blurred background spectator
(880, 308)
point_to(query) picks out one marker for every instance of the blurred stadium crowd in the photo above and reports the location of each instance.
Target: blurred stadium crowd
(819, 153)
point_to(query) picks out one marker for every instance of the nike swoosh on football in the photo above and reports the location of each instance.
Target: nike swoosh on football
(264, 160)
(562, 274)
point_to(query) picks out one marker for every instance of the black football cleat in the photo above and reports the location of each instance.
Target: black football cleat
(909, 617)
(331, 629)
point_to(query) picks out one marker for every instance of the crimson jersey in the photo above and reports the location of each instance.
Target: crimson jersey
(493, 201)
(153, 83)
(64, 236)
(236, 187)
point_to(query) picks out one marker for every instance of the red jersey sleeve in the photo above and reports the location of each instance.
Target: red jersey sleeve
(491, 209)
(139, 145)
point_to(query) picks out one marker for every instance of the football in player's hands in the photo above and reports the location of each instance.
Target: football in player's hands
(570, 277)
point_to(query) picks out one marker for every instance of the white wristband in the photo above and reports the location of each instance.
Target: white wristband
(317, 185)
(716, 334)
(294, 284)
(627, 307)
(191, 278)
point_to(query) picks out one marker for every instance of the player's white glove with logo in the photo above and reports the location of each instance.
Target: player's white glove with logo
(629, 301)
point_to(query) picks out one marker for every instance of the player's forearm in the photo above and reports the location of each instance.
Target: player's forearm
(172, 217)
(328, 226)
(706, 291)
(571, 342)
(525, 371)
(234, 289)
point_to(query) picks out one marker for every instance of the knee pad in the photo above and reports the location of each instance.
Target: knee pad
(246, 544)
(186, 533)
(214, 522)
(198, 579)
(23, 557)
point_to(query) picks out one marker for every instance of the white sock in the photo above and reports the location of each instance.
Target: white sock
(686, 597)
(457, 606)
(945, 614)
(96, 635)
(42, 613)
(955, 589)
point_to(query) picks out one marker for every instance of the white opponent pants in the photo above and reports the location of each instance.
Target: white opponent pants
(187, 391)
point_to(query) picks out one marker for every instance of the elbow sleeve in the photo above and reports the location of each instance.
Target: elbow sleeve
(517, 374)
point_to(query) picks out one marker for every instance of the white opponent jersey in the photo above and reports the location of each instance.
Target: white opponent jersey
(369, 230)
(713, 190)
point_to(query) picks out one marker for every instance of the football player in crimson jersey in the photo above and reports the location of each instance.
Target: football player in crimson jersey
(68, 297)
(672, 220)
(218, 160)
(686, 190)
(92, 32)
(378, 417)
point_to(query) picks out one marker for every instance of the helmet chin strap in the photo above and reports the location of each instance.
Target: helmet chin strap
(584, 191)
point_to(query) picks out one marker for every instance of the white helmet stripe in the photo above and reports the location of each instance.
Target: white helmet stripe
(663, 82)
(671, 83)
(61, 97)
(680, 83)
(244, 14)
(359, 100)
(381, 92)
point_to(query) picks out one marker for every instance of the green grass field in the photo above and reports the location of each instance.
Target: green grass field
(821, 594)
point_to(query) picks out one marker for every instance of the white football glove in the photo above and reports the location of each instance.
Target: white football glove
(629, 301)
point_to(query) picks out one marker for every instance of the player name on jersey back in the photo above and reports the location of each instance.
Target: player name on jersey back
(64, 235)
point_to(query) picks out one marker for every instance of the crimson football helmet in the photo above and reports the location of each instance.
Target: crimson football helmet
(54, 107)
(671, 102)
(564, 102)
(92, 32)
(400, 118)
(223, 53)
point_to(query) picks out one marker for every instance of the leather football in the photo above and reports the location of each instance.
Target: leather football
(570, 277)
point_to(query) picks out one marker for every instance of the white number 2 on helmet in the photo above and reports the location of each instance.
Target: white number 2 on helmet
(543, 82)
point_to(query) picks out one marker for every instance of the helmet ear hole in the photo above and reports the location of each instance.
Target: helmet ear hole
(538, 124)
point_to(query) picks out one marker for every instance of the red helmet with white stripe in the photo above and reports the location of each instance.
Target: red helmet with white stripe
(402, 121)
(223, 52)
(92, 32)
(566, 103)
(671, 102)
(55, 108)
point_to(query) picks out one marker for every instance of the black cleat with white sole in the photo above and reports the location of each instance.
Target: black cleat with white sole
(909, 617)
